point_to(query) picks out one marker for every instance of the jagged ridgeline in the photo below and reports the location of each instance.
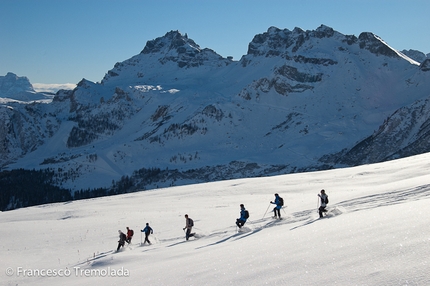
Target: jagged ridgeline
(178, 114)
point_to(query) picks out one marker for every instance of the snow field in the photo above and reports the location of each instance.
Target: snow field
(376, 233)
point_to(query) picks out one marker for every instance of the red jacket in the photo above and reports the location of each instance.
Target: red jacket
(130, 233)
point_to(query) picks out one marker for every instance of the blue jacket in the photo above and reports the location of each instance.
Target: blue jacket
(277, 202)
(243, 214)
(147, 230)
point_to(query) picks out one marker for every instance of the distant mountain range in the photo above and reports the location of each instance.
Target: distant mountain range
(176, 113)
(13, 87)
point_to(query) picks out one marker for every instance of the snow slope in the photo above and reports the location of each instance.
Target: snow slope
(377, 233)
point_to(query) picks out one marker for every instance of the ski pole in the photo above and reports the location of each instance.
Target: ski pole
(284, 211)
(141, 238)
(318, 201)
(266, 210)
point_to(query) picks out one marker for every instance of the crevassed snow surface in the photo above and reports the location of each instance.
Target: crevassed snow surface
(377, 233)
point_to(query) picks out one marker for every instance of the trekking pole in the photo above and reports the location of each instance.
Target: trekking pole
(318, 202)
(266, 210)
(284, 211)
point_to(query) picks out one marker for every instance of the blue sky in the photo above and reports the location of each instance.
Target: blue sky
(63, 41)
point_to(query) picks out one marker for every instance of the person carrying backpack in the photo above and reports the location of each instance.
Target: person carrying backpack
(121, 240)
(323, 203)
(147, 230)
(189, 223)
(279, 202)
(244, 215)
(130, 234)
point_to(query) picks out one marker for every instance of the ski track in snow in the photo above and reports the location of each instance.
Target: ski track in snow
(384, 199)
(356, 204)
(304, 218)
(359, 240)
(363, 203)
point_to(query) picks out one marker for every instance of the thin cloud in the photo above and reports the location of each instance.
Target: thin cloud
(54, 87)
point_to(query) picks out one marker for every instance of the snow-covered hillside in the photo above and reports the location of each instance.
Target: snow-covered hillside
(376, 233)
(293, 103)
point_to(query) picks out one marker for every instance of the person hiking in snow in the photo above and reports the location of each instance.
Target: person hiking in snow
(279, 202)
(130, 234)
(147, 230)
(121, 240)
(323, 203)
(189, 223)
(244, 214)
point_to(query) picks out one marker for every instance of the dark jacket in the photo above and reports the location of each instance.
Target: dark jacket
(323, 200)
(122, 238)
(277, 202)
(147, 230)
(243, 214)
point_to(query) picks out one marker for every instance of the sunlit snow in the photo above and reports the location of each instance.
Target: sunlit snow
(376, 233)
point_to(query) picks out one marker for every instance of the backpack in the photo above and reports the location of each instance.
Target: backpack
(190, 222)
(326, 199)
(246, 214)
(281, 201)
(131, 232)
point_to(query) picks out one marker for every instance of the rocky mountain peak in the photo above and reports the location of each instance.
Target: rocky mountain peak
(425, 65)
(375, 45)
(276, 42)
(12, 84)
(172, 48)
(19, 88)
(172, 40)
(270, 42)
(415, 55)
(324, 32)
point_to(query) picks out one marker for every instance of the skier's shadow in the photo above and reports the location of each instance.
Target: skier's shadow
(242, 234)
(177, 243)
(304, 224)
(220, 241)
(95, 258)
(332, 212)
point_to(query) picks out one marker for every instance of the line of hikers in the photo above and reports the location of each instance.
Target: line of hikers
(240, 222)
(123, 238)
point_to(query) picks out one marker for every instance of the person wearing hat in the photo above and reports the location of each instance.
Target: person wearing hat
(323, 203)
(279, 202)
(147, 230)
(130, 234)
(189, 223)
(244, 214)
(121, 240)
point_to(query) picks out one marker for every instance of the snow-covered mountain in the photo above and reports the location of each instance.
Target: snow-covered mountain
(18, 88)
(416, 55)
(176, 113)
(403, 134)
